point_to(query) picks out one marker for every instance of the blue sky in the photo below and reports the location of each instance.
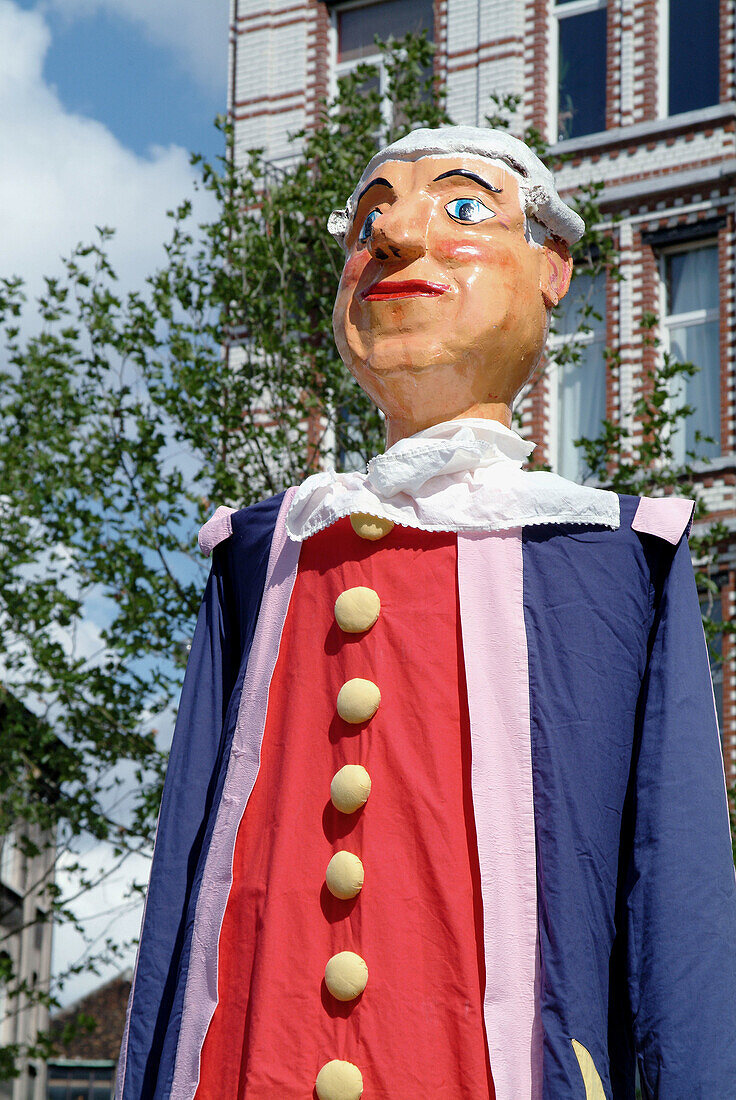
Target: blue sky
(101, 102)
(110, 67)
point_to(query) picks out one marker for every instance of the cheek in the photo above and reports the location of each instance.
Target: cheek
(355, 265)
(456, 251)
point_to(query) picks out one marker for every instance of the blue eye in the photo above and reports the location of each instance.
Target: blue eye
(367, 226)
(468, 211)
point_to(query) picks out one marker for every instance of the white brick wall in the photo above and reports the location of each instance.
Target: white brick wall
(643, 162)
(463, 23)
(270, 75)
(501, 19)
(462, 97)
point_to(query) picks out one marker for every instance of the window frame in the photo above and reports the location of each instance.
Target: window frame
(689, 319)
(342, 68)
(557, 12)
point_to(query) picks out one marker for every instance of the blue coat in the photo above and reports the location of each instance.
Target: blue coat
(635, 886)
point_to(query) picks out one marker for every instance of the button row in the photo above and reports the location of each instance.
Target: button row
(346, 974)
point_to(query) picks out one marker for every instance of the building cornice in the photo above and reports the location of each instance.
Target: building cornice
(653, 130)
(652, 186)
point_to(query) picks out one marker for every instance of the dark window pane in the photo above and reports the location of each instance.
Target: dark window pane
(358, 27)
(693, 61)
(692, 280)
(582, 74)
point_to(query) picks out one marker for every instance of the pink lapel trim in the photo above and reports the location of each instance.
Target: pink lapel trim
(496, 665)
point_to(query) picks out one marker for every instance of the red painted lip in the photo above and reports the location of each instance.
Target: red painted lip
(410, 288)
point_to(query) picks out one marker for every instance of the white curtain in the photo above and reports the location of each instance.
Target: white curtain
(692, 285)
(698, 344)
(581, 406)
(581, 386)
(692, 279)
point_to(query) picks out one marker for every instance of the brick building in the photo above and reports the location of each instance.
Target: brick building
(85, 1066)
(27, 861)
(642, 96)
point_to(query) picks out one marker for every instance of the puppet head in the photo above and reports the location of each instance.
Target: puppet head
(457, 247)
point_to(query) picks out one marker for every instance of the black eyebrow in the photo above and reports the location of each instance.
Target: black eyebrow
(379, 181)
(470, 176)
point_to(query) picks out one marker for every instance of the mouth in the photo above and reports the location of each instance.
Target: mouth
(410, 288)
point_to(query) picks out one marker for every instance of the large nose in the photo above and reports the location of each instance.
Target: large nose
(399, 234)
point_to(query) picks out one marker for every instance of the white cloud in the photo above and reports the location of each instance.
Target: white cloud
(108, 910)
(63, 174)
(197, 30)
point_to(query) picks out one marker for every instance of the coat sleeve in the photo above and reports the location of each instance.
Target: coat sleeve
(680, 886)
(194, 764)
(197, 766)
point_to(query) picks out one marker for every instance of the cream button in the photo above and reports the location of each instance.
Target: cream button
(346, 975)
(350, 788)
(339, 1081)
(358, 700)
(344, 875)
(370, 527)
(357, 609)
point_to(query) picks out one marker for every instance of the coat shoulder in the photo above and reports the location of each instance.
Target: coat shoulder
(244, 527)
(667, 518)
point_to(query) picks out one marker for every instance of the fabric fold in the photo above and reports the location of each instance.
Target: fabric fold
(462, 475)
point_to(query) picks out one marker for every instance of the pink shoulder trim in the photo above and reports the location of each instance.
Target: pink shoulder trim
(667, 517)
(216, 529)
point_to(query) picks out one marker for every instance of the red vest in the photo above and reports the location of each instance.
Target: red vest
(417, 1029)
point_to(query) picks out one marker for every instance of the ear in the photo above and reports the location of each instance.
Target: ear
(556, 271)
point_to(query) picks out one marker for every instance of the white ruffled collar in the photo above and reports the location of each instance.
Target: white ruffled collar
(461, 475)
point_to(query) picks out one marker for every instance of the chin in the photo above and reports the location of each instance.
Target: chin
(400, 354)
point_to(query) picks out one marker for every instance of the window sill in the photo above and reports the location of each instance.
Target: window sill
(646, 131)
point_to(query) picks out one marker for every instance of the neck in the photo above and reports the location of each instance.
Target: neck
(399, 428)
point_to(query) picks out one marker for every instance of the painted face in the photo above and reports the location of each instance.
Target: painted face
(443, 302)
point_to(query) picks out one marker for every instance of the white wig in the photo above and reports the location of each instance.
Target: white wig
(537, 191)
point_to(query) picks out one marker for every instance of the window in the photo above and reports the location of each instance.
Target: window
(580, 383)
(80, 1082)
(357, 25)
(39, 931)
(8, 860)
(690, 279)
(581, 67)
(692, 54)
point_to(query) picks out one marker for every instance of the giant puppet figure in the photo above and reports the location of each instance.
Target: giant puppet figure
(445, 816)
